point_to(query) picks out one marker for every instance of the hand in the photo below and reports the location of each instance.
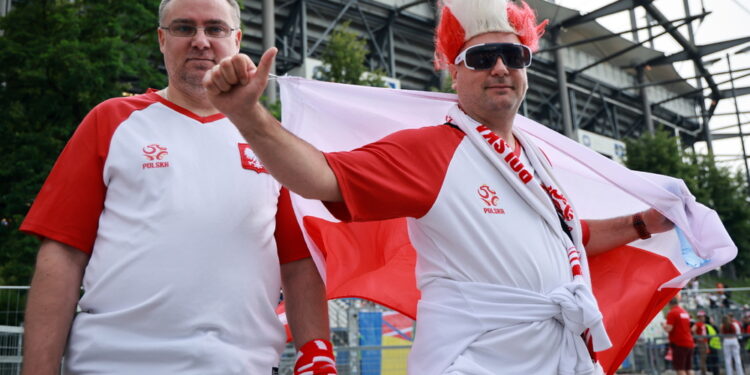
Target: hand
(235, 84)
(316, 358)
(655, 221)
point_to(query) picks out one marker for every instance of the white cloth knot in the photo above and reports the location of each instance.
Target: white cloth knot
(578, 312)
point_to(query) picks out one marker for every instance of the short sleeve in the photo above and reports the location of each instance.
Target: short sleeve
(397, 176)
(69, 204)
(289, 239)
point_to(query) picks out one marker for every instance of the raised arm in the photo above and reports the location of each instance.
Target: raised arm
(234, 87)
(55, 290)
(608, 234)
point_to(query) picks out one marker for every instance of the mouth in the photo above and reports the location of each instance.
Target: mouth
(198, 59)
(499, 87)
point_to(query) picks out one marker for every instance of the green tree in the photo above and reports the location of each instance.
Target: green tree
(727, 194)
(344, 59)
(716, 187)
(58, 59)
(660, 153)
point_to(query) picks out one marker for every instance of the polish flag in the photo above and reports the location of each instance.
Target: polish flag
(376, 261)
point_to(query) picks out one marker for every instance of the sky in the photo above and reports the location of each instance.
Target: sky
(729, 19)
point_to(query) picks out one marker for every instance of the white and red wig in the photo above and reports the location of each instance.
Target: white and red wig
(461, 20)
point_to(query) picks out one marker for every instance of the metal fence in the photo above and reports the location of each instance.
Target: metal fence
(368, 339)
(12, 302)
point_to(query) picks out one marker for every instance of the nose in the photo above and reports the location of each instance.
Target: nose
(499, 68)
(200, 39)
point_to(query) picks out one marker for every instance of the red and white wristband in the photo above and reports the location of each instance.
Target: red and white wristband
(316, 358)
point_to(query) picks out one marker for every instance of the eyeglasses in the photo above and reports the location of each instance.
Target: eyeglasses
(484, 56)
(185, 30)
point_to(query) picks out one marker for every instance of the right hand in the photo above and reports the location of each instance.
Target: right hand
(235, 84)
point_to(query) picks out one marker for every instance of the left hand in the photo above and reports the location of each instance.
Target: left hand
(316, 358)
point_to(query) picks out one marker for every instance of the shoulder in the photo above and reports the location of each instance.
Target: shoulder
(126, 105)
(426, 140)
(444, 133)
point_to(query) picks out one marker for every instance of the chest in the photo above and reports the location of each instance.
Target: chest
(182, 166)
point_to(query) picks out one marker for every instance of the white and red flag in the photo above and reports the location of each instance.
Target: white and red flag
(375, 260)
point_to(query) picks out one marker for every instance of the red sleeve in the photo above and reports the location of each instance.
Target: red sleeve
(585, 232)
(398, 176)
(290, 242)
(68, 206)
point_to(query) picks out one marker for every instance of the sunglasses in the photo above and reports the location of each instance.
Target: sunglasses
(484, 56)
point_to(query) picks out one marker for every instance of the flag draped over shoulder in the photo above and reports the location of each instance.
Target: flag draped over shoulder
(375, 260)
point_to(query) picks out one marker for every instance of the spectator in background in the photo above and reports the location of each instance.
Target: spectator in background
(680, 338)
(701, 346)
(730, 330)
(714, 346)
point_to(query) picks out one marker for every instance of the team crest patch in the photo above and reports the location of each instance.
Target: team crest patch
(249, 160)
(155, 154)
(490, 199)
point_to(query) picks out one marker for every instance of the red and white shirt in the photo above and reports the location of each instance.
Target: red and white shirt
(465, 220)
(182, 225)
(467, 224)
(680, 334)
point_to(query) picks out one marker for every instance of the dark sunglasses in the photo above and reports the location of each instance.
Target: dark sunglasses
(484, 56)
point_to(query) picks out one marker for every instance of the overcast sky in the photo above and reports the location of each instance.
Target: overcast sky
(730, 19)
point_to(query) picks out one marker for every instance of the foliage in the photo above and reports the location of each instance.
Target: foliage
(58, 59)
(716, 187)
(344, 59)
(660, 153)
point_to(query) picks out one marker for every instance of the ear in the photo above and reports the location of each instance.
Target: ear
(238, 39)
(162, 39)
(453, 69)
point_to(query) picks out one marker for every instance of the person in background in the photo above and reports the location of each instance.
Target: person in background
(714, 346)
(701, 346)
(730, 331)
(681, 340)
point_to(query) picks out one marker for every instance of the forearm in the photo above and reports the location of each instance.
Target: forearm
(55, 290)
(305, 299)
(608, 234)
(295, 163)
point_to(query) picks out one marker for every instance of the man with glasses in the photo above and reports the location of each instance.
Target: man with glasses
(503, 289)
(161, 210)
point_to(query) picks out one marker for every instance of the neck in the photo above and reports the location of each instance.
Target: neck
(194, 100)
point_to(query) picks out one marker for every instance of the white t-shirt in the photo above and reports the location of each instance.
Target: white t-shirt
(180, 220)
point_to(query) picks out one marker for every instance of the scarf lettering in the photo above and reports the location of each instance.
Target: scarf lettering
(500, 146)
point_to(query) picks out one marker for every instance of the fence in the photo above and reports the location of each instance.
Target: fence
(368, 339)
(12, 302)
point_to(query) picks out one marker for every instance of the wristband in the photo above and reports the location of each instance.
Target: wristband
(316, 358)
(640, 227)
